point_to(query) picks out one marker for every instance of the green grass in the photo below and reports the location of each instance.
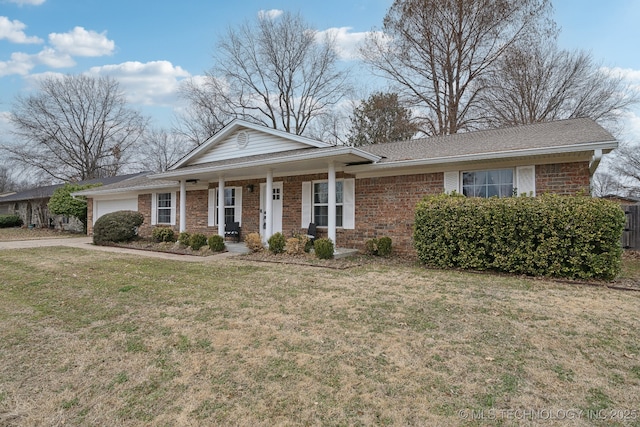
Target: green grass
(106, 339)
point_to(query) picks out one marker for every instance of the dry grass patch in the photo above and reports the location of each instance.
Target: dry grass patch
(89, 338)
(9, 234)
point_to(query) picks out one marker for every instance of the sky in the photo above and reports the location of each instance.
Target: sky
(150, 46)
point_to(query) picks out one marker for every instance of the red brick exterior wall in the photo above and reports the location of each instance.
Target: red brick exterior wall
(89, 217)
(563, 178)
(383, 206)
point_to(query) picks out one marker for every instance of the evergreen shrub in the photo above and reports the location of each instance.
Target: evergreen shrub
(277, 243)
(119, 226)
(550, 235)
(216, 243)
(163, 234)
(323, 248)
(7, 221)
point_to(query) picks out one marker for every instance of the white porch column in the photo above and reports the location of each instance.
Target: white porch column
(331, 221)
(183, 205)
(268, 232)
(221, 206)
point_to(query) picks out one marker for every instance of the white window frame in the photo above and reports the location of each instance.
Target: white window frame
(524, 180)
(339, 217)
(155, 208)
(348, 203)
(213, 205)
(486, 184)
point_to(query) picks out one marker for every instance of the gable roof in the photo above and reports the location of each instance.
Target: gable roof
(291, 141)
(48, 190)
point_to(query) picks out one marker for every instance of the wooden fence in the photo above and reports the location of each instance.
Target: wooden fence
(631, 234)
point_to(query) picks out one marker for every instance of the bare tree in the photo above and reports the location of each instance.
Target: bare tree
(435, 50)
(627, 165)
(203, 116)
(606, 184)
(160, 149)
(381, 119)
(75, 128)
(276, 72)
(539, 82)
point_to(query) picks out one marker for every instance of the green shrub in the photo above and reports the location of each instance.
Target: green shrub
(551, 235)
(216, 243)
(379, 247)
(277, 242)
(371, 246)
(120, 226)
(384, 246)
(7, 221)
(197, 240)
(163, 234)
(323, 248)
(254, 242)
(184, 238)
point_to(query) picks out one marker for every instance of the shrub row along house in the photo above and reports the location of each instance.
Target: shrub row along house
(270, 181)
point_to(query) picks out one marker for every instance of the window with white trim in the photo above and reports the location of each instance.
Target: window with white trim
(488, 183)
(321, 203)
(164, 208)
(232, 205)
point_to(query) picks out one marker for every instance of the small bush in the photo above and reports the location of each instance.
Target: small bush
(120, 226)
(277, 243)
(197, 241)
(7, 221)
(378, 247)
(384, 246)
(163, 234)
(254, 242)
(216, 243)
(371, 247)
(323, 248)
(296, 245)
(184, 238)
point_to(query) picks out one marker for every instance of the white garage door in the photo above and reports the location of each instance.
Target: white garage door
(107, 206)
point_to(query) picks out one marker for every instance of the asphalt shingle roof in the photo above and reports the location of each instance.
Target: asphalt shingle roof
(540, 135)
(48, 190)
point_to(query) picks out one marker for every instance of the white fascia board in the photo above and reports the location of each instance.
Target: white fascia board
(138, 189)
(338, 151)
(237, 124)
(605, 146)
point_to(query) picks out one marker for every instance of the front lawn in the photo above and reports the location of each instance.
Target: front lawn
(94, 338)
(19, 233)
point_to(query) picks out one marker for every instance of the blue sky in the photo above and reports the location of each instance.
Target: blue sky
(150, 46)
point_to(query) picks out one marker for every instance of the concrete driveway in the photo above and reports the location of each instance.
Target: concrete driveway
(87, 243)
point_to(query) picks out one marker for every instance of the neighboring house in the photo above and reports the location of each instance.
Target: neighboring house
(270, 181)
(31, 205)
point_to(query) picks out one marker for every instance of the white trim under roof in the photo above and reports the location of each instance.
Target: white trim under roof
(328, 154)
(237, 124)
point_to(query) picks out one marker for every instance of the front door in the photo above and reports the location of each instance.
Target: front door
(277, 208)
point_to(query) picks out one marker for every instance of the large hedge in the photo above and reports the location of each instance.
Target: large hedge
(549, 235)
(120, 226)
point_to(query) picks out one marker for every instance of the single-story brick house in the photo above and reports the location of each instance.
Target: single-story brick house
(271, 181)
(32, 205)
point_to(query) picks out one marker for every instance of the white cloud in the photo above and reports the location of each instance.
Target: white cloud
(29, 2)
(20, 63)
(14, 31)
(150, 83)
(269, 14)
(80, 42)
(347, 43)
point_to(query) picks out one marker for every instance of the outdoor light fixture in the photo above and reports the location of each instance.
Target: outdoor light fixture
(250, 188)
